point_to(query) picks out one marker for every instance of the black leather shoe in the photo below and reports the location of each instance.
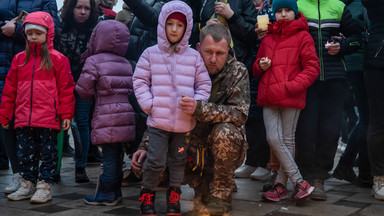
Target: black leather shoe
(81, 175)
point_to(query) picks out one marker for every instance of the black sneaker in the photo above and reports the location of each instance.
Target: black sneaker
(364, 181)
(344, 173)
(147, 205)
(81, 175)
(173, 201)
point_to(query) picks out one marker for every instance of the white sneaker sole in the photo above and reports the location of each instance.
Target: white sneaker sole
(41, 201)
(377, 196)
(18, 198)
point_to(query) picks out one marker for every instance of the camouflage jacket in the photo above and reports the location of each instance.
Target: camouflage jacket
(230, 97)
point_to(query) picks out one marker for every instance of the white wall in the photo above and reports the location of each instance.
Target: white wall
(117, 7)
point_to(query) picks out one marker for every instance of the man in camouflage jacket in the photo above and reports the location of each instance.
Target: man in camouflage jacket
(217, 144)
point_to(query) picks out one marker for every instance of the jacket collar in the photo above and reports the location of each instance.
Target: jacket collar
(288, 28)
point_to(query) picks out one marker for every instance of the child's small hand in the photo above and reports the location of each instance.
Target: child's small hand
(66, 124)
(265, 63)
(260, 32)
(188, 104)
(5, 126)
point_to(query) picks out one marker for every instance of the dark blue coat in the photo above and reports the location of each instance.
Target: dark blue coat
(10, 46)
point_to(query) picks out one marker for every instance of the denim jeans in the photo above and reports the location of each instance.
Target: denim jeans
(82, 109)
(280, 125)
(112, 163)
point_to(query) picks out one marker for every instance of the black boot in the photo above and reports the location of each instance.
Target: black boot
(173, 201)
(81, 175)
(147, 205)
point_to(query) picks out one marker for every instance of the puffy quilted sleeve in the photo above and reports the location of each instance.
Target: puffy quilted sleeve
(142, 82)
(203, 82)
(85, 86)
(8, 97)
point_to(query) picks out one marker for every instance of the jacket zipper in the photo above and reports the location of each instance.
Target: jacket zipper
(54, 104)
(320, 44)
(33, 74)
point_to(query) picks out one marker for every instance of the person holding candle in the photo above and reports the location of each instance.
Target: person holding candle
(287, 65)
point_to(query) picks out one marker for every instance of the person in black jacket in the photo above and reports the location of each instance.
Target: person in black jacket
(374, 79)
(318, 128)
(79, 17)
(239, 15)
(357, 140)
(12, 41)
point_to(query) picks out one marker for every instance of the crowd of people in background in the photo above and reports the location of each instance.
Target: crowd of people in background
(194, 92)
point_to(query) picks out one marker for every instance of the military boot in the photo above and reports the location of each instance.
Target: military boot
(173, 201)
(147, 205)
(217, 206)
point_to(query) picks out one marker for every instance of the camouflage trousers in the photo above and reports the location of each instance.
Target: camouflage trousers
(224, 149)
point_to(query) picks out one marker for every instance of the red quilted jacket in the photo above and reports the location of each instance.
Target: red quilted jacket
(38, 98)
(295, 65)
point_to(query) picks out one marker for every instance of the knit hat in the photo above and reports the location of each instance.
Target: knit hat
(29, 26)
(277, 4)
(179, 16)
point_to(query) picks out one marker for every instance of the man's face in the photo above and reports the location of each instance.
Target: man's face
(213, 53)
(82, 11)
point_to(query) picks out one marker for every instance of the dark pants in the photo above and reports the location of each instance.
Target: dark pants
(375, 91)
(35, 145)
(318, 128)
(110, 179)
(10, 142)
(357, 141)
(3, 153)
(258, 148)
(165, 148)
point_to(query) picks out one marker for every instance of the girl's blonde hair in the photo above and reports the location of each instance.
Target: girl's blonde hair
(46, 61)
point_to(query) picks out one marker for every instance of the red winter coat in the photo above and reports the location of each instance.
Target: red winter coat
(294, 64)
(38, 98)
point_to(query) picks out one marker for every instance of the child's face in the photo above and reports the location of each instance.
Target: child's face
(174, 30)
(36, 36)
(285, 14)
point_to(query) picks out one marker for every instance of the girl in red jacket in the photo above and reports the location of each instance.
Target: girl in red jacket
(287, 65)
(38, 93)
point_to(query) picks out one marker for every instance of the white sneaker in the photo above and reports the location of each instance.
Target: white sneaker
(43, 193)
(244, 171)
(378, 187)
(25, 191)
(14, 185)
(261, 174)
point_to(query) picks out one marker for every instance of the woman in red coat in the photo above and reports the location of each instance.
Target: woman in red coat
(287, 65)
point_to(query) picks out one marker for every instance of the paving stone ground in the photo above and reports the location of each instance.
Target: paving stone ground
(343, 199)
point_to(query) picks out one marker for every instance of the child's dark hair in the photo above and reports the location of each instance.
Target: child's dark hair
(46, 61)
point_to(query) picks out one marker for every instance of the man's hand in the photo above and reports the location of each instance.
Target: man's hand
(137, 159)
(224, 10)
(188, 104)
(212, 21)
(5, 126)
(66, 124)
(265, 63)
(9, 28)
(260, 32)
(333, 48)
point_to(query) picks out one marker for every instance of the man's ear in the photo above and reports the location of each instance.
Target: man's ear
(198, 46)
